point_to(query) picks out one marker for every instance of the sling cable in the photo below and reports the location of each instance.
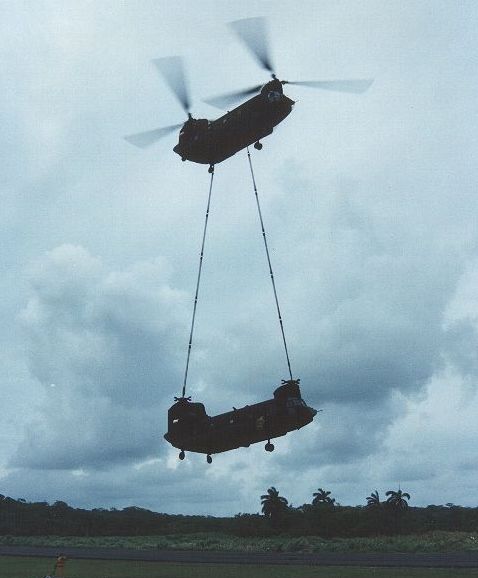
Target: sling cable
(198, 279)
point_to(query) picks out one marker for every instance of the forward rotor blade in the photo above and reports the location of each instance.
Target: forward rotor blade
(224, 100)
(146, 139)
(357, 86)
(172, 70)
(253, 33)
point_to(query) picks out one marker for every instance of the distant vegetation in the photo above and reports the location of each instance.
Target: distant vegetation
(323, 518)
(220, 542)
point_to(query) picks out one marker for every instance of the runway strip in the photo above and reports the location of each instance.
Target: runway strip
(430, 560)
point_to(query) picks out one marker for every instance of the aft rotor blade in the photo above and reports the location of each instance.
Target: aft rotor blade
(146, 139)
(253, 32)
(172, 70)
(225, 100)
(357, 86)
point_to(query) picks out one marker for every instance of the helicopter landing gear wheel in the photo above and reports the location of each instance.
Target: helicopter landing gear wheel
(182, 455)
(209, 459)
(210, 169)
(258, 145)
(269, 447)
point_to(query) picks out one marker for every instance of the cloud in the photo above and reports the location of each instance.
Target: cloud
(104, 345)
(152, 484)
(461, 326)
(433, 440)
(378, 290)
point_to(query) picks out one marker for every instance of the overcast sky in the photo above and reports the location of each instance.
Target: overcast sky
(371, 210)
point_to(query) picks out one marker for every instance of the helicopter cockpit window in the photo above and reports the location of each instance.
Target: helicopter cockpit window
(273, 96)
(293, 406)
(293, 402)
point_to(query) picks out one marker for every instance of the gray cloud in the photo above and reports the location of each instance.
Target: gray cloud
(151, 485)
(105, 347)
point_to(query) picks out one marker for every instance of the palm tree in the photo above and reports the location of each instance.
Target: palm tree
(322, 497)
(373, 501)
(397, 500)
(273, 505)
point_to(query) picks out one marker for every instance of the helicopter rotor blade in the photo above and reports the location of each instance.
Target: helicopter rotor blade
(356, 86)
(172, 70)
(224, 100)
(146, 139)
(253, 33)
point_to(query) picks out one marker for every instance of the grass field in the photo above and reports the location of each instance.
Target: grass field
(430, 542)
(16, 567)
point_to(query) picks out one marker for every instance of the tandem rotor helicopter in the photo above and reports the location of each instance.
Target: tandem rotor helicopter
(211, 142)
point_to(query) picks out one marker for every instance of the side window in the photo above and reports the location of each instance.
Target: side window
(260, 421)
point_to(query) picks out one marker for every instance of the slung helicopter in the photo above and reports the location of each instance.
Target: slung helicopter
(212, 141)
(191, 429)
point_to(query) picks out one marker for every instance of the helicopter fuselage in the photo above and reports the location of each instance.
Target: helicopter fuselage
(191, 429)
(212, 141)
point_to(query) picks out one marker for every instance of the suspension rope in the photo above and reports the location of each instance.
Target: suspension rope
(269, 261)
(197, 284)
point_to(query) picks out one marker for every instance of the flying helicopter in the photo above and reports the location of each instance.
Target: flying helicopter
(212, 141)
(190, 428)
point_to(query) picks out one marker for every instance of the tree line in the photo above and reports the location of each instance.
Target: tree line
(323, 516)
